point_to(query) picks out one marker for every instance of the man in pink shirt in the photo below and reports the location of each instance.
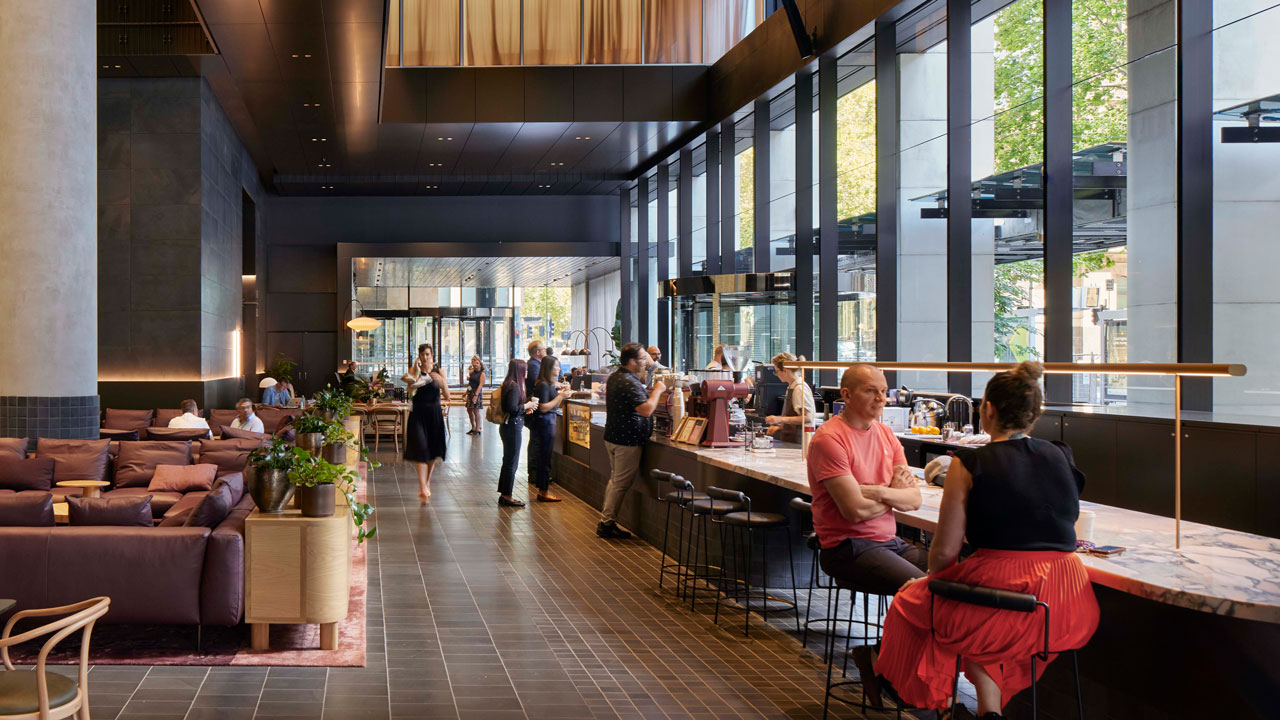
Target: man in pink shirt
(858, 475)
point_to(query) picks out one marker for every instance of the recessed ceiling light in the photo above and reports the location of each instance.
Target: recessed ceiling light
(307, 55)
(295, 54)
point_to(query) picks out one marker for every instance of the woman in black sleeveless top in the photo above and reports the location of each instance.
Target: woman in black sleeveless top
(425, 441)
(475, 393)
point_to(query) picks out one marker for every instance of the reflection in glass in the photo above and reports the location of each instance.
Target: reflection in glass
(493, 32)
(611, 32)
(552, 32)
(673, 31)
(431, 32)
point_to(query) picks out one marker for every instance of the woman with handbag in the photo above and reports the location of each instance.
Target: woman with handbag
(425, 443)
(510, 397)
(475, 393)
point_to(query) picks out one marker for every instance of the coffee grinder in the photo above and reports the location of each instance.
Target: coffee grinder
(719, 393)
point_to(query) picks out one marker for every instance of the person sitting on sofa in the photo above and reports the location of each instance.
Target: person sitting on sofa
(190, 417)
(246, 420)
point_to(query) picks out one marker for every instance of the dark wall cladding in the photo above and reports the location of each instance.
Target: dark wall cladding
(50, 417)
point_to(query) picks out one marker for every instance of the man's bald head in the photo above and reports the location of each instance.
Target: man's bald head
(863, 389)
(859, 375)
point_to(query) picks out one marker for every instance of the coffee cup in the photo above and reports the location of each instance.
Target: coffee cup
(1084, 525)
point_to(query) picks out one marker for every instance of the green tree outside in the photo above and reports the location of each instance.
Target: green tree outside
(554, 303)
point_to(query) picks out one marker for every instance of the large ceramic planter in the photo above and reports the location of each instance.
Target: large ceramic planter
(311, 442)
(336, 453)
(270, 489)
(317, 500)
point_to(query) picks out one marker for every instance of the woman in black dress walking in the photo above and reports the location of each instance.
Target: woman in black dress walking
(426, 443)
(475, 393)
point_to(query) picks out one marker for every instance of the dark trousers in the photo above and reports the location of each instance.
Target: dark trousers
(877, 567)
(542, 435)
(510, 434)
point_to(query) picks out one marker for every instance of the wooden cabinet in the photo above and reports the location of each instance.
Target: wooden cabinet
(297, 570)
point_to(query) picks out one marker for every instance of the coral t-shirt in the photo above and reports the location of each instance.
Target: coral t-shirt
(838, 448)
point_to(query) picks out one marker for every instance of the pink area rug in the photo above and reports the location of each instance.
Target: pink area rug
(291, 645)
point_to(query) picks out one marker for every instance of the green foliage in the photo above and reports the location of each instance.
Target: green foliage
(310, 471)
(856, 152)
(1013, 282)
(277, 454)
(282, 369)
(554, 303)
(334, 401)
(307, 424)
(747, 198)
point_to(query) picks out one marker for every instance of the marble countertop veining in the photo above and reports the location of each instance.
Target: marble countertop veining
(1219, 571)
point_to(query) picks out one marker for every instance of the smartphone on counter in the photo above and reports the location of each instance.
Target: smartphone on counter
(1107, 550)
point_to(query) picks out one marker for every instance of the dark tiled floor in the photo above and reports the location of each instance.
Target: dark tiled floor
(479, 612)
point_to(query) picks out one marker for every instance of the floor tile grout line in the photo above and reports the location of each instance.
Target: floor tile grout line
(141, 680)
(203, 680)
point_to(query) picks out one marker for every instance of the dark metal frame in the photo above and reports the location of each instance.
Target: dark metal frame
(1195, 196)
(760, 177)
(1058, 196)
(887, 162)
(804, 212)
(828, 231)
(644, 284)
(664, 254)
(959, 184)
(684, 212)
(728, 198)
(712, 164)
(627, 252)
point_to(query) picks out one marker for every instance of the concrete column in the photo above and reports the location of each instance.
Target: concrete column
(48, 228)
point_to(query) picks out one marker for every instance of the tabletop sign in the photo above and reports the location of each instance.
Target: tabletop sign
(579, 424)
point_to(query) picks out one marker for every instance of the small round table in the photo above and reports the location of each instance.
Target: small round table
(88, 488)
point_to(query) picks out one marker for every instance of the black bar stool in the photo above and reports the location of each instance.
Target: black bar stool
(868, 638)
(816, 579)
(744, 524)
(679, 497)
(700, 511)
(1002, 600)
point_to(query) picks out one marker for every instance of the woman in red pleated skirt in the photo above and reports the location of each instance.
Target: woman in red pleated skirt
(1016, 501)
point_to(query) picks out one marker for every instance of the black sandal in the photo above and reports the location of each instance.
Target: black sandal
(510, 502)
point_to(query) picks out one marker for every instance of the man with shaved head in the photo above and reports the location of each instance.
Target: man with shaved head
(858, 475)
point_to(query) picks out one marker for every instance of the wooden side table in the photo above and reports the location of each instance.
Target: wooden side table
(88, 488)
(296, 570)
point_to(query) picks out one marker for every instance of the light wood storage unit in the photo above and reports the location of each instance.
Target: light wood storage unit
(297, 570)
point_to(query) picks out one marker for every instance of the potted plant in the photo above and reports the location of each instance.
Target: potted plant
(309, 431)
(266, 475)
(282, 368)
(333, 403)
(318, 483)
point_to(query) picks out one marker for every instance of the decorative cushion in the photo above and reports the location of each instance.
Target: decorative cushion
(168, 433)
(213, 509)
(120, 435)
(163, 417)
(137, 461)
(176, 520)
(229, 454)
(127, 511)
(235, 481)
(17, 447)
(116, 419)
(182, 478)
(26, 474)
(26, 510)
(230, 433)
(273, 417)
(161, 503)
(75, 459)
(218, 418)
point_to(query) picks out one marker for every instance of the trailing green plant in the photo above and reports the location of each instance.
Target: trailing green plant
(310, 471)
(333, 400)
(337, 434)
(277, 454)
(282, 369)
(308, 424)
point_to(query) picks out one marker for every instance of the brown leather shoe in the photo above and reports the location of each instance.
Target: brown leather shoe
(547, 497)
(864, 657)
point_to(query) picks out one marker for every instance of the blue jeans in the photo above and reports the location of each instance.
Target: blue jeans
(542, 435)
(510, 433)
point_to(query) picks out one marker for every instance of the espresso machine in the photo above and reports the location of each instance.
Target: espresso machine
(717, 394)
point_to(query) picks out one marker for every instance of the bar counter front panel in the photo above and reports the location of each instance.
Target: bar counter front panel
(1206, 619)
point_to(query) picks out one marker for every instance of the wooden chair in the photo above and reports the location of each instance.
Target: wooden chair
(39, 695)
(444, 410)
(383, 421)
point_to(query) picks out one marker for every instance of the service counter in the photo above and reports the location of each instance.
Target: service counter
(1204, 619)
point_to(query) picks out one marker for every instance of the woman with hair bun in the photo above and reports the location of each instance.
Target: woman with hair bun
(1016, 501)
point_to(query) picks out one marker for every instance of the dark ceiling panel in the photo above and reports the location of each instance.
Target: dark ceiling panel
(289, 11)
(529, 152)
(218, 12)
(355, 50)
(300, 51)
(548, 94)
(404, 95)
(597, 94)
(354, 11)
(499, 95)
(451, 95)
(247, 50)
(646, 93)
(357, 103)
(480, 154)
(397, 148)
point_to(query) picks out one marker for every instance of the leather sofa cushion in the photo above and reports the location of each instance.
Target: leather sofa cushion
(162, 418)
(26, 474)
(109, 511)
(218, 418)
(13, 447)
(272, 417)
(116, 419)
(26, 510)
(160, 502)
(176, 519)
(182, 478)
(230, 433)
(229, 454)
(185, 503)
(75, 459)
(137, 461)
(235, 481)
(213, 509)
(173, 434)
(120, 435)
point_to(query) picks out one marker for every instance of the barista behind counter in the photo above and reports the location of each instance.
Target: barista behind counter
(797, 406)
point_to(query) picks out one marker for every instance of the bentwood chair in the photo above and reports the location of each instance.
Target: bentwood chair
(1011, 601)
(40, 695)
(384, 421)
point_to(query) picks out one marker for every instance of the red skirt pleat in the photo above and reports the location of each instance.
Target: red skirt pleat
(921, 664)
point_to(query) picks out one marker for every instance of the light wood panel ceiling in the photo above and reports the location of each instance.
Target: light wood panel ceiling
(479, 271)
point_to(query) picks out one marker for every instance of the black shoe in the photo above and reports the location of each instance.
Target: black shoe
(864, 658)
(506, 502)
(611, 531)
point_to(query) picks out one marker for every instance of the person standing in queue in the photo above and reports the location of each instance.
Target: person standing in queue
(626, 430)
(858, 475)
(798, 408)
(514, 406)
(537, 351)
(475, 393)
(542, 424)
(425, 444)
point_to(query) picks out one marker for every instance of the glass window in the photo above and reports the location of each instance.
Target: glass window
(856, 203)
(673, 217)
(782, 182)
(393, 37)
(431, 32)
(743, 168)
(673, 31)
(698, 255)
(552, 32)
(611, 31)
(726, 23)
(650, 334)
(493, 32)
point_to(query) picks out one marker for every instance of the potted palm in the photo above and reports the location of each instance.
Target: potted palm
(309, 433)
(266, 474)
(318, 483)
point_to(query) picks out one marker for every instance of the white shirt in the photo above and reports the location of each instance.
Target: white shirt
(253, 424)
(802, 399)
(189, 420)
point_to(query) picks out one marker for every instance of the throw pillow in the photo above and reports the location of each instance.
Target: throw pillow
(162, 418)
(116, 419)
(26, 510)
(230, 433)
(26, 474)
(15, 447)
(176, 520)
(229, 454)
(213, 509)
(119, 435)
(235, 481)
(75, 459)
(222, 417)
(136, 462)
(130, 510)
(182, 478)
(167, 433)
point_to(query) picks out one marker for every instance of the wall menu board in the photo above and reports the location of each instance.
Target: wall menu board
(579, 424)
